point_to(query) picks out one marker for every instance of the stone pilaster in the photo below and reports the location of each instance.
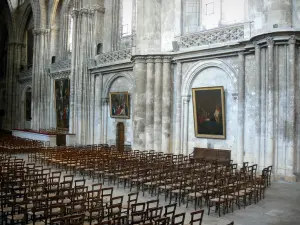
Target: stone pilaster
(241, 108)
(150, 104)
(98, 110)
(258, 102)
(185, 143)
(139, 116)
(178, 132)
(158, 104)
(166, 104)
(270, 105)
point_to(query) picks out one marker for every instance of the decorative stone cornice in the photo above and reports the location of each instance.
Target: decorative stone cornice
(60, 75)
(40, 31)
(158, 59)
(60, 66)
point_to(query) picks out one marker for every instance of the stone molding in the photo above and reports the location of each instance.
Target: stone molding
(270, 41)
(293, 39)
(25, 75)
(115, 56)
(199, 66)
(40, 31)
(214, 36)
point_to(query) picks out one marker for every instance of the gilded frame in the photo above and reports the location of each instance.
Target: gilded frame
(119, 105)
(209, 118)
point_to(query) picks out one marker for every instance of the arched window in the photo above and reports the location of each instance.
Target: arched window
(126, 17)
(99, 49)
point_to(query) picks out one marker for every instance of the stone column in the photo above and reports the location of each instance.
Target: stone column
(241, 108)
(98, 110)
(150, 104)
(105, 120)
(158, 104)
(270, 105)
(12, 107)
(166, 104)
(139, 118)
(178, 84)
(258, 102)
(291, 115)
(40, 80)
(185, 144)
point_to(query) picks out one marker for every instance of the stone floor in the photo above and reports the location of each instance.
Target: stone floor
(280, 206)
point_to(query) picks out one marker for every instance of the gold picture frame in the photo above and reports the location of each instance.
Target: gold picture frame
(209, 112)
(119, 105)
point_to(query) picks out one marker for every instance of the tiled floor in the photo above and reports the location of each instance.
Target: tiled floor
(280, 206)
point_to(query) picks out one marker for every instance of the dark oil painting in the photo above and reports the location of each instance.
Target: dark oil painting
(209, 112)
(62, 100)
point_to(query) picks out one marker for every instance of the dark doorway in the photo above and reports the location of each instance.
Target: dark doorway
(120, 136)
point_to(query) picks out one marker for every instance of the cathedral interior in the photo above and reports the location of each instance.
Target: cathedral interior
(188, 102)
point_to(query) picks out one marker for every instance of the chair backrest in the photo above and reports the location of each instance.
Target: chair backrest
(170, 210)
(178, 219)
(196, 217)
(162, 221)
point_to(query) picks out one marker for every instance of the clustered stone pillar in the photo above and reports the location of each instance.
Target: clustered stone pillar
(150, 104)
(139, 116)
(104, 120)
(158, 103)
(40, 81)
(12, 107)
(291, 103)
(81, 95)
(241, 108)
(166, 104)
(98, 109)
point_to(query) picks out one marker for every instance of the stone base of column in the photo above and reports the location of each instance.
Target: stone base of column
(289, 178)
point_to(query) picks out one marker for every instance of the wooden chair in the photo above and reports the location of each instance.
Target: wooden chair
(197, 217)
(178, 219)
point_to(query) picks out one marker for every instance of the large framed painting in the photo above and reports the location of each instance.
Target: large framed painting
(62, 102)
(119, 105)
(209, 112)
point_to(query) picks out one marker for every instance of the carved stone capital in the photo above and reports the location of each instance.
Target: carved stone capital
(83, 11)
(150, 59)
(158, 59)
(270, 41)
(105, 101)
(293, 40)
(60, 75)
(75, 13)
(167, 59)
(139, 59)
(99, 9)
(186, 99)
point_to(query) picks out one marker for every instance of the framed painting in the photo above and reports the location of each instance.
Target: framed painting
(62, 101)
(209, 112)
(119, 105)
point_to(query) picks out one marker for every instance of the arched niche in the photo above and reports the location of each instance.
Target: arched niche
(120, 82)
(210, 73)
